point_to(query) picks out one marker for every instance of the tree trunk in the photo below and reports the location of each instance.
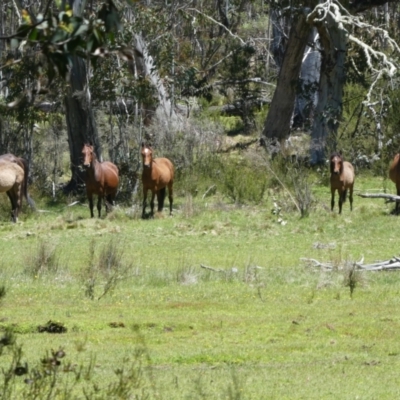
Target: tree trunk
(332, 80)
(277, 124)
(307, 98)
(279, 35)
(81, 124)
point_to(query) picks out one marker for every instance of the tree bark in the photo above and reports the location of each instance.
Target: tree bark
(277, 124)
(330, 94)
(81, 124)
(307, 98)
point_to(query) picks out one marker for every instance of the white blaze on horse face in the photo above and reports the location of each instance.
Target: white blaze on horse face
(146, 154)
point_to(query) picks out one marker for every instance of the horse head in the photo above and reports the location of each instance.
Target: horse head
(147, 156)
(87, 155)
(336, 161)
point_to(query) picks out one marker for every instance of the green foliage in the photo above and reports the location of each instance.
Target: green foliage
(44, 260)
(238, 86)
(241, 181)
(58, 377)
(64, 35)
(352, 278)
(109, 269)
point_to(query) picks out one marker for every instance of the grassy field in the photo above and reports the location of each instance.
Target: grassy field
(214, 302)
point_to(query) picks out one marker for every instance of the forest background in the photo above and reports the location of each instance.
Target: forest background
(204, 73)
(248, 98)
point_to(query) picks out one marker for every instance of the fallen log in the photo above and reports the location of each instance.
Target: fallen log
(387, 265)
(388, 197)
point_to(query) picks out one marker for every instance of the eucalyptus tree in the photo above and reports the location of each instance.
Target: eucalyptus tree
(81, 123)
(61, 43)
(338, 24)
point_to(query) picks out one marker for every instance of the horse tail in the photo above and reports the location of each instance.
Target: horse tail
(344, 195)
(25, 183)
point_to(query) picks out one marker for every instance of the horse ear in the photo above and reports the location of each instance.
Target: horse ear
(143, 145)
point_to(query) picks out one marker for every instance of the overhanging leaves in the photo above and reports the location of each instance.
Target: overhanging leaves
(63, 35)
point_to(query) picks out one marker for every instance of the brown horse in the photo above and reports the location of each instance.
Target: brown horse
(25, 166)
(101, 179)
(158, 173)
(394, 175)
(342, 179)
(12, 182)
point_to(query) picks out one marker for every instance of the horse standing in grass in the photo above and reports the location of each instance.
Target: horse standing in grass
(158, 173)
(12, 179)
(394, 175)
(342, 179)
(25, 166)
(101, 179)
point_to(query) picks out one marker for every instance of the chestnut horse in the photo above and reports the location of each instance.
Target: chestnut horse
(394, 175)
(158, 173)
(101, 179)
(342, 179)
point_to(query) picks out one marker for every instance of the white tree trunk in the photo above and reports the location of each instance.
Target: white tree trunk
(145, 67)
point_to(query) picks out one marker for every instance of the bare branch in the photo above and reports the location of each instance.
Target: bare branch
(392, 264)
(378, 62)
(219, 24)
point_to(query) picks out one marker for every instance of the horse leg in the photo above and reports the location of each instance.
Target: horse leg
(170, 197)
(99, 199)
(153, 195)
(19, 195)
(396, 210)
(351, 197)
(14, 214)
(341, 195)
(109, 202)
(161, 198)
(144, 203)
(15, 196)
(90, 198)
(332, 199)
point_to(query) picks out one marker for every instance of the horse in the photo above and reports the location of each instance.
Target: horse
(394, 175)
(101, 179)
(342, 179)
(25, 166)
(157, 175)
(12, 182)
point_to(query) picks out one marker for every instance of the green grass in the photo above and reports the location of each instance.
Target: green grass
(262, 324)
